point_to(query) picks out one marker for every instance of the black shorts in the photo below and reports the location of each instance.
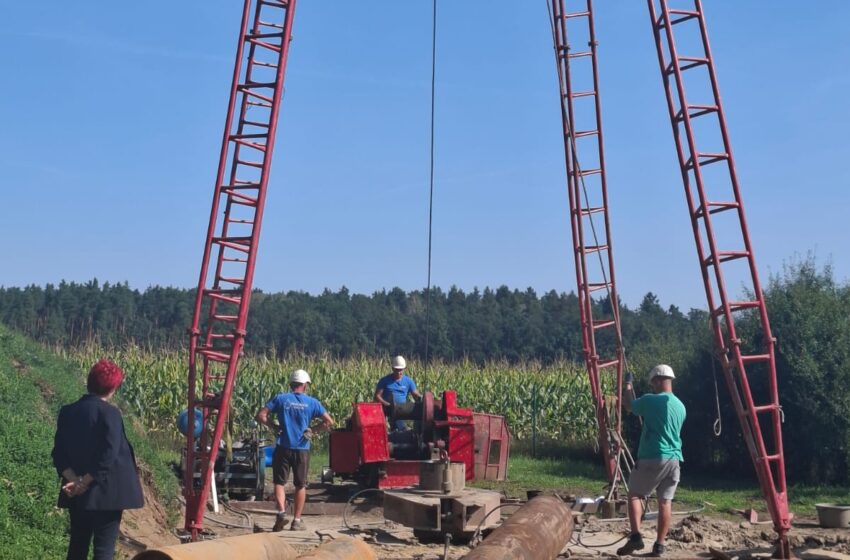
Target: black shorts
(295, 460)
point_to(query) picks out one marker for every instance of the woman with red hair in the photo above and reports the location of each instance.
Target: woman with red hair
(97, 465)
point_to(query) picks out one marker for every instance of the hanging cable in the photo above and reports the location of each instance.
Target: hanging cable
(431, 189)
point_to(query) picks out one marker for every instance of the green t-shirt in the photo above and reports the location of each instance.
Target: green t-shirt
(663, 415)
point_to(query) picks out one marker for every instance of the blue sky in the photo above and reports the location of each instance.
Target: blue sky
(112, 116)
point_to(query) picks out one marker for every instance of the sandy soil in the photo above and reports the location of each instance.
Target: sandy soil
(692, 536)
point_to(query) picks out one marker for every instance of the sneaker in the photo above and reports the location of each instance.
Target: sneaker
(658, 550)
(297, 525)
(279, 523)
(634, 543)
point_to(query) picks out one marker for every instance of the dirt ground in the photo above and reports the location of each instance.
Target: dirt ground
(691, 536)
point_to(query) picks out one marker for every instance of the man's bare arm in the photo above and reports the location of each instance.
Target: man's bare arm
(379, 398)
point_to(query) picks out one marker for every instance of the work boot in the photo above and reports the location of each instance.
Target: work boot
(658, 550)
(279, 523)
(634, 543)
(297, 525)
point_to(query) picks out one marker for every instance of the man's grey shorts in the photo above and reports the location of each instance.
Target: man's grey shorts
(650, 474)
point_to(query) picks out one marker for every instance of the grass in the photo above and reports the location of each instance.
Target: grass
(34, 383)
(718, 494)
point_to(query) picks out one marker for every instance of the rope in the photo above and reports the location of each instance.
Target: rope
(431, 189)
(717, 427)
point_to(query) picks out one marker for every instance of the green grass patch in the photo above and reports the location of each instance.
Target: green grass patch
(34, 384)
(717, 492)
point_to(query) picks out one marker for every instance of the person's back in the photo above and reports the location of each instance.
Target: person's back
(296, 411)
(663, 415)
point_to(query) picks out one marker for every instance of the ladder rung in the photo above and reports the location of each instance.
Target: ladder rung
(583, 94)
(595, 248)
(702, 110)
(576, 14)
(259, 104)
(232, 280)
(248, 136)
(765, 408)
(586, 172)
(240, 221)
(724, 256)
(686, 15)
(602, 324)
(736, 306)
(249, 36)
(246, 89)
(214, 355)
(610, 363)
(238, 185)
(240, 198)
(265, 64)
(592, 210)
(257, 164)
(222, 297)
(226, 318)
(249, 144)
(256, 123)
(693, 62)
(265, 45)
(755, 358)
(222, 336)
(580, 54)
(275, 3)
(267, 24)
(231, 244)
(715, 207)
(775, 457)
(583, 133)
(596, 286)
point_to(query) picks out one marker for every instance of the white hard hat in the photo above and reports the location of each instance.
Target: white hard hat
(299, 376)
(662, 370)
(399, 363)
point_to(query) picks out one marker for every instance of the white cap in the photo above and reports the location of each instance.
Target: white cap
(662, 370)
(299, 376)
(399, 363)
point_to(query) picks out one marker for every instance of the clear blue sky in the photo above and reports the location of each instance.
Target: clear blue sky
(112, 115)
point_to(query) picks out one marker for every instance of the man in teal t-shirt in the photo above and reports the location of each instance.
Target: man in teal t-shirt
(659, 455)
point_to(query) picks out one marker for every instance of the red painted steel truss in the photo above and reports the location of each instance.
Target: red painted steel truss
(723, 241)
(588, 195)
(224, 288)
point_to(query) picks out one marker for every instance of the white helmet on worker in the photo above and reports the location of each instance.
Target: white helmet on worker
(399, 363)
(662, 370)
(299, 376)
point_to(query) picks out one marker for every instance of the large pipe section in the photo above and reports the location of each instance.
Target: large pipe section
(539, 530)
(341, 548)
(259, 546)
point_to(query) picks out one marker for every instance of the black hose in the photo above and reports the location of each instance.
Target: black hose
(348, 504)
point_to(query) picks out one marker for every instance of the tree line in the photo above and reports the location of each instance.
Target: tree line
(809, 312)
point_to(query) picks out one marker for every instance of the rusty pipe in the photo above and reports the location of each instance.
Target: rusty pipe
(341, 548)
(259, 546)
(539, 530)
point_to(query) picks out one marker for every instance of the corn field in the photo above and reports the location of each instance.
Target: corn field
(154, 389)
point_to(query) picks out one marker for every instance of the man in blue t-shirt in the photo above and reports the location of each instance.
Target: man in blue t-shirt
(295, 411)
(395, 387)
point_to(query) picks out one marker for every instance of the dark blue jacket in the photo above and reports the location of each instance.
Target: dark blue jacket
(90, 439)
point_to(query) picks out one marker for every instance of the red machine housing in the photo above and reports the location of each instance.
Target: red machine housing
(367, 452)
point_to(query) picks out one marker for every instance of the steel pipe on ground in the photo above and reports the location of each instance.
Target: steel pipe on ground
(341, 548)
(539, 530)
(260, 546)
